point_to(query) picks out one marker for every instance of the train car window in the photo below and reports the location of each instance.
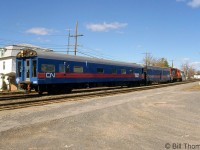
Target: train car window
(27, 63)
(63, 68)
(19, 71)
(34, 72)
(123, 71)
(27, 68)
(173, 72)
(67, 69)
(100, 70)
(78, 69)
(47, 68)
(131, 71)
(114, 71)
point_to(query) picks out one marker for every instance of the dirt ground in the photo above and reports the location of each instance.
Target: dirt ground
(157, 119)
(194, 88)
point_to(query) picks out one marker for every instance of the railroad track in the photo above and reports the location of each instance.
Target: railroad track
(22, 95)
(37, 100)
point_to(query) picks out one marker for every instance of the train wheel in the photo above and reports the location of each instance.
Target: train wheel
(40, 92)
(68, 90)
(40, 89)
(52, 92)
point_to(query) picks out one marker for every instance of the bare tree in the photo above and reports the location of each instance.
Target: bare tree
(188, 70)
(149, 60)
(191, 72)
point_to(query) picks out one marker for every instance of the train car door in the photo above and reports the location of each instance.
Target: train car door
(27, 73)
(161, 75)
(19, 70)
(144, 70)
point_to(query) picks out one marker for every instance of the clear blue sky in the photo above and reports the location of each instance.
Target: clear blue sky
(116, 29)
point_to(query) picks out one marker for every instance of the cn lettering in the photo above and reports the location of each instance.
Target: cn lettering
(50, 75)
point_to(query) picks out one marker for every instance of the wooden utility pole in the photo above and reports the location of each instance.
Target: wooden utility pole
(172, 63)
(75, 37)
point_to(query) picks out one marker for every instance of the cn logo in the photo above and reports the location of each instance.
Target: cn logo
(50, 75)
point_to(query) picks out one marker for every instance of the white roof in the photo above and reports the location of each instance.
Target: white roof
(12, 50)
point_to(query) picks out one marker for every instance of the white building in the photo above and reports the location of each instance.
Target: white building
(8, 59)
(196, 76)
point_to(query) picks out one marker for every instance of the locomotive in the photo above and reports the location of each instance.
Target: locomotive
(176, 74)
(60, 73)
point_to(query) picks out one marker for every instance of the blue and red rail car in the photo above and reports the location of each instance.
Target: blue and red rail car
(53, 72)
(157, 74)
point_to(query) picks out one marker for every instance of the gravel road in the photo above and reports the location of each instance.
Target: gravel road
(157, 119)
